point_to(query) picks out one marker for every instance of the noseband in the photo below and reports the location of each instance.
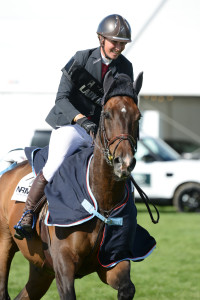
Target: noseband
(106, 143)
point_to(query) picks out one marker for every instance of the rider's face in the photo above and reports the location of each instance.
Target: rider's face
(113, 48)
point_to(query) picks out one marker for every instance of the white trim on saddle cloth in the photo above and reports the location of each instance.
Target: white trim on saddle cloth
(23, 187)
(135, 259)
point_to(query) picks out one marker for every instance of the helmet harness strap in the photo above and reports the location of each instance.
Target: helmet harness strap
(102, 43)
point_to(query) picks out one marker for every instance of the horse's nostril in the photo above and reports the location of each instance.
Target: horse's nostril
(117, 160)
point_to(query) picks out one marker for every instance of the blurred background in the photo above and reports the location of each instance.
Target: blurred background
(37, 38)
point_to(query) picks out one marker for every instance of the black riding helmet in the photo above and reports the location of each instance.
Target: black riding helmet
(115, 28)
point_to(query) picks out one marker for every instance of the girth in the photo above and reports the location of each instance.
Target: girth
(45, 237)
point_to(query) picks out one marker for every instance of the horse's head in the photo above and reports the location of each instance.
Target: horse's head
(119, 123)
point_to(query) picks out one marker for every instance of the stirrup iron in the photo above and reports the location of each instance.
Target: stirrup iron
(21, 231)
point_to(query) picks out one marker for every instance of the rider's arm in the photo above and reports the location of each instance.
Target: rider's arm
(62, 100)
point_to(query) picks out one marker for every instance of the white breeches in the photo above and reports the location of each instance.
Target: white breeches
(64, 142)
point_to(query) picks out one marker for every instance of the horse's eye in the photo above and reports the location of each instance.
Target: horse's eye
(106, 115)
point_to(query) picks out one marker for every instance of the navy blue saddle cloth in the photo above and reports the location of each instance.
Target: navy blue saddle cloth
(65, 194)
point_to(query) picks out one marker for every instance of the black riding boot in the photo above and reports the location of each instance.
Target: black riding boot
(25, 226)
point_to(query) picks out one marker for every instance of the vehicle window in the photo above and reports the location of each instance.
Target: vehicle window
(142, 150)
(160, 149)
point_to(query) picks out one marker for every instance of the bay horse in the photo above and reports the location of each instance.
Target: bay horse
(73, 250)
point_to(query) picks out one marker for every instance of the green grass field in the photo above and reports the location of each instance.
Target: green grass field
(172, 272)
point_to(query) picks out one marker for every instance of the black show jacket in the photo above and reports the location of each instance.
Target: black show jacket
(70, 102)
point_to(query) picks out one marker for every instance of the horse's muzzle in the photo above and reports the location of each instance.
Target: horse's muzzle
(124, 166)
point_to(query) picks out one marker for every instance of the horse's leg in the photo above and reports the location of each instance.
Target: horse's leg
(37, 285)
(119, 279)
(64, 267)
(7, 252)
(64, 272)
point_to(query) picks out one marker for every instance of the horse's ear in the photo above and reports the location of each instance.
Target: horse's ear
(108, 80)
(137, 84)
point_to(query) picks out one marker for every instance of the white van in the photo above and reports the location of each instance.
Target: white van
(166, 177)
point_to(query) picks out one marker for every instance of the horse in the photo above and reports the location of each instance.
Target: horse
(73, 250)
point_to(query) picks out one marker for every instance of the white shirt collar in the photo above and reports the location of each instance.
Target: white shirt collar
(105, 60)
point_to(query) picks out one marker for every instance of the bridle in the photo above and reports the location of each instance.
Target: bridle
(106, 143)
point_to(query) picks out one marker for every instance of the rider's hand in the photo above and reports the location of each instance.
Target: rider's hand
(90, 127)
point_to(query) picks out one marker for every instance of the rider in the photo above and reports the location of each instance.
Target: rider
(75, 115)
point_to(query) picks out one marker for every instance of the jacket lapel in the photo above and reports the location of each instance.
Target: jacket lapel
(113, 67)
(94, 65)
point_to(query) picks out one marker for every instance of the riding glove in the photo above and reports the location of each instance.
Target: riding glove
(90, 127)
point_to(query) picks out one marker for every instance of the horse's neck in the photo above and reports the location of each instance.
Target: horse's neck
(107, 191)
